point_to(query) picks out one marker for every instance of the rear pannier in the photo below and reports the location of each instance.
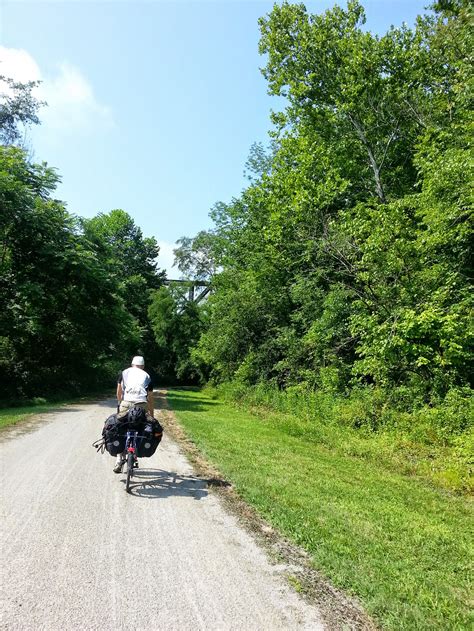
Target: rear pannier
(114, 433)
(152, 434)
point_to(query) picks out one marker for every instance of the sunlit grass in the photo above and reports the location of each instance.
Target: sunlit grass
(399, 544)
(11, 416)
(14, 415)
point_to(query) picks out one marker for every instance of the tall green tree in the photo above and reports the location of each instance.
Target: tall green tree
(131, 260)
(361, 93)
(63, 318)
(347, 257)
(75, 292)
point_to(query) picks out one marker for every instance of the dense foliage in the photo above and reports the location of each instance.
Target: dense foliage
(177, 323)
(75, 293)
(345, 263)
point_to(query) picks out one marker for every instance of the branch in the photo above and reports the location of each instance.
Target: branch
(373, 162)
(389, 142)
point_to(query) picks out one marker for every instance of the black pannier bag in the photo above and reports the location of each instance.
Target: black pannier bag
(115, 434)
(152, 433)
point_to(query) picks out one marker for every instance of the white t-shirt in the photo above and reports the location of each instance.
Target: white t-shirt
(135, 384)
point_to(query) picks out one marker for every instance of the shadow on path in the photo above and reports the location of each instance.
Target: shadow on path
(157, 483)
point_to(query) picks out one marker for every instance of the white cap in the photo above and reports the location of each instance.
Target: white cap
(138, 361)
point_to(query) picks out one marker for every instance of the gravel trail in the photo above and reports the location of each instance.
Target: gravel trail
(79, 553)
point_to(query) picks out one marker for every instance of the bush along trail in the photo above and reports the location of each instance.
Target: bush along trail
(396, 541)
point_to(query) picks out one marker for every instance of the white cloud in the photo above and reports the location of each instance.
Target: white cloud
(166, 259)
(71, 101)
(17, 64)
(72, 104)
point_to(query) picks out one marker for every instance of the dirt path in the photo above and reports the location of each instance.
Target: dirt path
(79, 553)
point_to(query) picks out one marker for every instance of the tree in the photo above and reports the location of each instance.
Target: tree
(120, 242)
(358, 91)
(259, 161)
(17, 106)
(346, 260)
(196, 256)
(63, 319)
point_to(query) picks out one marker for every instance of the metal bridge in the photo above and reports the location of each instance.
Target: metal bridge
(197, 289)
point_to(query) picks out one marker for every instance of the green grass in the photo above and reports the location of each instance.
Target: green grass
(398, 543)
(436, 443)
(14, 415)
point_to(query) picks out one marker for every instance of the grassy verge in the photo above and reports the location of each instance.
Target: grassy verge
(396, 542)
(17, 414)
(435, 443)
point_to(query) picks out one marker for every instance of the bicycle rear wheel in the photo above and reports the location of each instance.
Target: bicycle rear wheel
(129, 471)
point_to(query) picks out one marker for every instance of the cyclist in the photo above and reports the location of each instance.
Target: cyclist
(134, 389)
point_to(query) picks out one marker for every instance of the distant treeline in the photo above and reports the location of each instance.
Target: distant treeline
(345, 264)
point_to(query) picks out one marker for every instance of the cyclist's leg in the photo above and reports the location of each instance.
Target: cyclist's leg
(119, 462)
(124, 408)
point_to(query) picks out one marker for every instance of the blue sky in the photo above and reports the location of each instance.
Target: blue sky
(153, 105)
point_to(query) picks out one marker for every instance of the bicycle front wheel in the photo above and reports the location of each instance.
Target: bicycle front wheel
(129, 471)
